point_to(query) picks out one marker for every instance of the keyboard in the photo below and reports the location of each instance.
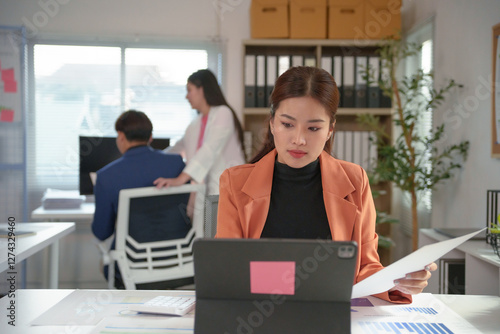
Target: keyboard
(169, 305)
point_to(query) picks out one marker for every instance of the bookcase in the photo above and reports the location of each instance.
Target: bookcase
(259, 75)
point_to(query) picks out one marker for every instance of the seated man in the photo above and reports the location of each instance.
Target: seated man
(139, 166)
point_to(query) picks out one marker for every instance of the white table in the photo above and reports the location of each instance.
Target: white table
(47, 235)
(482, 266)
(85, 213)
(481, 311)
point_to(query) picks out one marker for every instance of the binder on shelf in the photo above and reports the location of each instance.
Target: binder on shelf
(339, 145)
(385, 101)
(337, 76)
(283, 64)
(250, 94)
(348, 73)
(373, 152)
(272, 72)
(310, 61)
(248, 144)
(297, 60)
(364, 150)
(261, 82)
(361, 87)
(373, 89)
(327, 64)
(348, 146)
(357, 152)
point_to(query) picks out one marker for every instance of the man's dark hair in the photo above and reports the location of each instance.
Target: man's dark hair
(135, 125)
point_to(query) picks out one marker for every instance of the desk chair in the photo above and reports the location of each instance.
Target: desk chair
(211, 206)
(154, 236)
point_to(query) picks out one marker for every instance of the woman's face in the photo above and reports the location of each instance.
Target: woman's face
(301, 127)
(195, 96)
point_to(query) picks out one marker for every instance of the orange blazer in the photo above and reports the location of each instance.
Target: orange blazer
(245, 195)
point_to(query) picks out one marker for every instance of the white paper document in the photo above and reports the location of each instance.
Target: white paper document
(384, 279)
(425, 315)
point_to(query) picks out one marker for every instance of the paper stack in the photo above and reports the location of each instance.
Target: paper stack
(62, 199)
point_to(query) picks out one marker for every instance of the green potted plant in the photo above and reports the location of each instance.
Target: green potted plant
(411, 161)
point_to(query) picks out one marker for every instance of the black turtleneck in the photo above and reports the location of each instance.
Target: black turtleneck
(297, 209)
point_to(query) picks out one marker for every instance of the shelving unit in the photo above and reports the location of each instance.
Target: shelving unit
(255, 119)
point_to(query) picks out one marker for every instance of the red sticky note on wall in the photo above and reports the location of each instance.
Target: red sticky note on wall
(8, 75)
(272, 277)
(10, 86)
(6, 115)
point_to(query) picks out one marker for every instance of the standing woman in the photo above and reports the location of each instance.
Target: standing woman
(213, 141)
(294, 188)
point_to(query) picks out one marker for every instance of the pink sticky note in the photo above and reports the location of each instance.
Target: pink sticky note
(10, 86)
(8, 75)
(272, 277)
(6, 115)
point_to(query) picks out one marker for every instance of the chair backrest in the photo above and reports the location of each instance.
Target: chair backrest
(211, 206)
(154, 235)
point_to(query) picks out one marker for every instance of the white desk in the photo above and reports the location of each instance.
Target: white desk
(78, 252)
(482, 266)
(480, 311)
(47, 235)
(84, 213)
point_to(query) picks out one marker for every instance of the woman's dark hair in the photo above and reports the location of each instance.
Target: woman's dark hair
(298, 82)
(135, 125)
(214, 97)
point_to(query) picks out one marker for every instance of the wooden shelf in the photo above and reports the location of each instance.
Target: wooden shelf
(341, 111)
(313, 42)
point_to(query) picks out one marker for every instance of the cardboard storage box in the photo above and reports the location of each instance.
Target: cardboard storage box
(269, 19)
(346, 19)
(382, 18)
(308, 19)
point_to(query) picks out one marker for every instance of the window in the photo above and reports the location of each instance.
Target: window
(81, 90)
(422, 36)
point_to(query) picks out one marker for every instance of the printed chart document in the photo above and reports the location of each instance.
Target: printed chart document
(426, 314)
(384, 279)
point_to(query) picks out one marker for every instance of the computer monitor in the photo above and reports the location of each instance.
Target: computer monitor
(97, 152)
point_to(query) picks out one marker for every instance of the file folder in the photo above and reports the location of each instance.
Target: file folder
(348, 146)
(297, 60)
(250, 94)
(261, 82)
(283, 64)
(385, 101)
(364, 150)
(340, 147)
(373, 89)
(310, 61)
(357, 149)
(271, 75)
(337, 76)
(361, 87)
(327, 64)
(348, 82)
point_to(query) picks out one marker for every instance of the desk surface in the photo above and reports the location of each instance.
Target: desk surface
(25, 246)
(480, 311)
(85, 212)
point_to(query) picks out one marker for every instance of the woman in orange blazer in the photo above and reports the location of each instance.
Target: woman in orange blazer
(294, 188)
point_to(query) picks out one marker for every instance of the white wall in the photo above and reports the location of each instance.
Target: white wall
(462, 49)
(463, 52)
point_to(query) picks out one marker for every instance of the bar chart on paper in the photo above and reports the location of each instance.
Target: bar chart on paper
(426, 315)
(373, 327)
